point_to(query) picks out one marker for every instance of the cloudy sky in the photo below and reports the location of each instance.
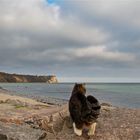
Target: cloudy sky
(77, 40)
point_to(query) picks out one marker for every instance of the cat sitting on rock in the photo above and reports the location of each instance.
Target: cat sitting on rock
(84, 110)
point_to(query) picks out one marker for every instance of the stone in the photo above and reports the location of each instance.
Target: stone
(20, 132)
(16, 103)
(106, 104)
(3, 137)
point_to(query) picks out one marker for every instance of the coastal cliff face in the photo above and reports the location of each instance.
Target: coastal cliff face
(17, 78)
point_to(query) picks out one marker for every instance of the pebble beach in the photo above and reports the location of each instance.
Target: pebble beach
(34, 118)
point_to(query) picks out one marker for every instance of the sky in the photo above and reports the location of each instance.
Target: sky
(76, 40)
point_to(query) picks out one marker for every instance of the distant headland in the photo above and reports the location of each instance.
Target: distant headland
(19, 78)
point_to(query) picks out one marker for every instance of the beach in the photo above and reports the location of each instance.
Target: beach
(24, 118)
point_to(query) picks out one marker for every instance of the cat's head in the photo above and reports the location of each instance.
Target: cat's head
(80, 88)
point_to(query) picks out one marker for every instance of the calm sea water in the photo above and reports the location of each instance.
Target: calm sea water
(124, 94)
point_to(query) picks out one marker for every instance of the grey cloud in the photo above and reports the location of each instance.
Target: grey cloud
(66, 44)
(118, 11)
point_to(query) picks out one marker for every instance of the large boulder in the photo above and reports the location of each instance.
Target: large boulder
(20, 132)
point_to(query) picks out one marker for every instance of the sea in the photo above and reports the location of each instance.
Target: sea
(117, 94)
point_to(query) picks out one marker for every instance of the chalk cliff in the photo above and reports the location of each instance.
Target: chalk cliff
(17, 78)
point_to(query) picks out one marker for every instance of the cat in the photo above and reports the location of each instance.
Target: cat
(84, 111)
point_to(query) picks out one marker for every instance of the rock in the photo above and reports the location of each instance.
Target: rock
(16, 103)
(106, 104)
(1, 101)
(34, 121)
(52, 79)
(106, 107)
(68, 122)
(47, 125)
(43, 136)
(20, 132)
(3, 137)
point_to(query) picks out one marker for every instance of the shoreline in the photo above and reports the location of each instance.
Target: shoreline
(53, 100)
(117, 95)
(43, 99)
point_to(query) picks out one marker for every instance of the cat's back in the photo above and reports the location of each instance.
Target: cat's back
(77, 98)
